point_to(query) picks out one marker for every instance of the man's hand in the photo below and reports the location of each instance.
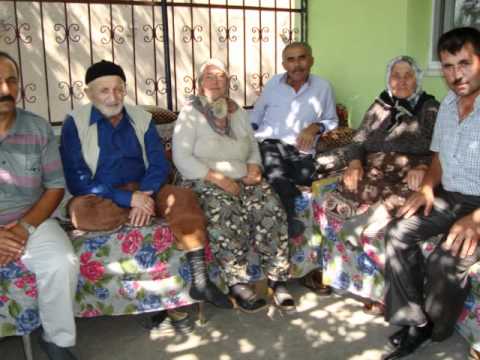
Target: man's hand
(138, 217)
(254, 175)
(11, 245)
(142, 200)
(424, 197)
(307, 137)
(464, 235)
(6, 259)
(415, 177)
(353, 174)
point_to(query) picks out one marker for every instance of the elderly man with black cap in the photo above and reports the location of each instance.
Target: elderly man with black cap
(115, 168)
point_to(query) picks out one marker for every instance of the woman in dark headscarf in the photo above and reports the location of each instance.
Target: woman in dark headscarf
(384, 164)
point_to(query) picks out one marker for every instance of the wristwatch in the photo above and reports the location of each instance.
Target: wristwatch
(29, 227)
(321, 128)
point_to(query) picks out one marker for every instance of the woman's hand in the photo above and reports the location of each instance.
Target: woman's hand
(254, 175)
(415, 177)
(224, 182)
(353, 175)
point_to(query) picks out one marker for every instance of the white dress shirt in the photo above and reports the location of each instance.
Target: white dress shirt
(281, 113)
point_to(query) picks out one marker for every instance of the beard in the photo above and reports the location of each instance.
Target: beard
(109, 110)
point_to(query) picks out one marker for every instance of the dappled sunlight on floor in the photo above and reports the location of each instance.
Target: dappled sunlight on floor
(322, 328)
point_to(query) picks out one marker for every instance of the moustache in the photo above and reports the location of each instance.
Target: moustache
(7, 98)
(457, 81)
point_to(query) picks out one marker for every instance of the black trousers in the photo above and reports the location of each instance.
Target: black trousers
(284, 168)
(435, 288)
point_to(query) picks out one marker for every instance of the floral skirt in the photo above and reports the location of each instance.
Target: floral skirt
(236, 224)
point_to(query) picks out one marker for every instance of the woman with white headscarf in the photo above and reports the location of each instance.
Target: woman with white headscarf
(385, 162)
(215, 151)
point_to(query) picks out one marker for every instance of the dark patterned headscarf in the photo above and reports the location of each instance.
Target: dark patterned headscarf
(410, 105)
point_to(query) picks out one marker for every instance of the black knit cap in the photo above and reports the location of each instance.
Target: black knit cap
(103, 68)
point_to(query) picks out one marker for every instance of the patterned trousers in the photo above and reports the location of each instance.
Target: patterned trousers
(255, 218)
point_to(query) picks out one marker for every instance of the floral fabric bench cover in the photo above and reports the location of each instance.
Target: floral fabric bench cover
(134, 270)
(358, 268)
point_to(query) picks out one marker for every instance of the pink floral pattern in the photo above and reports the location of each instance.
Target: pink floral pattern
(358, 269)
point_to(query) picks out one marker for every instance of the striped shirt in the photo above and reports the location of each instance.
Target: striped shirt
(29, 164)
(458, 145)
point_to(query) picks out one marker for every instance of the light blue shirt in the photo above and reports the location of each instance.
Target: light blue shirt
(458, 145)
(281, 113)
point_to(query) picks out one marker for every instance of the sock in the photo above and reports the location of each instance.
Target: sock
(422, 329)
(196, 260)
(274, 284)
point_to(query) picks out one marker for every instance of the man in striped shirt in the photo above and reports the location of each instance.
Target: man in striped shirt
(31, 187)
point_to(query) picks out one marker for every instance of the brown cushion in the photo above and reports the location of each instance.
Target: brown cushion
(340, 136)
(165, 122)
(159, 115)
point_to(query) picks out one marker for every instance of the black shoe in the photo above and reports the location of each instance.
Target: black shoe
(174, 322)
(397, 337)
(212, 295)
(245, 299)
(55, 352)
(410, 343)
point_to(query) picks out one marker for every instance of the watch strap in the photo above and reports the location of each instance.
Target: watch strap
(29, 227)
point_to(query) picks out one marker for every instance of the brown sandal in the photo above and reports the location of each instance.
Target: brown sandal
(474, 354)
(313, 282)
(374, 308)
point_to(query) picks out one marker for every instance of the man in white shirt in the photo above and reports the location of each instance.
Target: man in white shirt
(293, 109)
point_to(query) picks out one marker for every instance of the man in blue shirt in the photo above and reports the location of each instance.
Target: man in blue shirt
(115, 168)
(293, 109)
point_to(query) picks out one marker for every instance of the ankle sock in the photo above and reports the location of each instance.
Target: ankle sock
(196, 260)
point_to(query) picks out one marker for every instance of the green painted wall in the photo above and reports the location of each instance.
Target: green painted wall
(353, 40)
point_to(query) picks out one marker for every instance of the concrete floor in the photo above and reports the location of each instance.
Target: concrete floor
(327, 328)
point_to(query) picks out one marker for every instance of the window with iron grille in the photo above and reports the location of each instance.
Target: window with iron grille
(159, 44)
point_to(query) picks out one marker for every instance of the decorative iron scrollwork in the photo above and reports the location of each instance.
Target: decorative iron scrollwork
(191, 85)
(287, 35)
(112, 34)
(226, 34)
(19, 33)
(70, 91)
(29, 99)
(191, 34)
(156, 33)
(261, 34)
(156, 86)
(233, 81)
(259, 80)
(67, 33)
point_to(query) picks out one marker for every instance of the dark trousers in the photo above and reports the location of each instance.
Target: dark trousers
(435, 288)
(284, 168)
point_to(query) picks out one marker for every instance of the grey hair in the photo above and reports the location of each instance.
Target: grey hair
(295, 44)
(211, 62)
(413, 64)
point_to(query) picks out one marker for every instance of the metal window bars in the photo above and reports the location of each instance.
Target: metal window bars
(159, 44)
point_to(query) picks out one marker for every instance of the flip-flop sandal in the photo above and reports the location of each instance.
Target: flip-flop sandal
(320, 289)
(374, 308)
(474, 354)
(283, 299)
